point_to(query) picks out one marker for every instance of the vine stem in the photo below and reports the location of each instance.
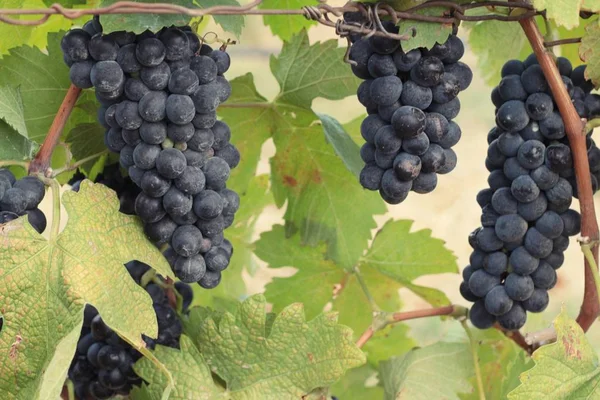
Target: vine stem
(405, 316)
(591, 263)
(41, 162)
(78, 164)
(473, 346)
(365, 289)
(10, 163)
(575, 129)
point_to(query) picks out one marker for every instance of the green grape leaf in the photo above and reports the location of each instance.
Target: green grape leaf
(589, 51)
(86, 140)
(325, 201)
(274, 357)
(438, 371)
(353, 129)
(229, 23)
(11, 109)
(46, 83)
(562, 12)
(140, 22)
(427, 34)
(286, 26)
(189, 370)
(65, 3)
(251, 127)
(572, 52)
(358, 384)
(15, 146)
(495, 42)
(305, 72)
(45, 284)
(566, 369)
(342, 143)
(396, 257)
(501, 362)
(394, 340)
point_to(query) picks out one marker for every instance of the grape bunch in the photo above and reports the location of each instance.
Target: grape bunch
(21, 197)
(103, 363)
(411, 99)
(526, 217)
(159, 94)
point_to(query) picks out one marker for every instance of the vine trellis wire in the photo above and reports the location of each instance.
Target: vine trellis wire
(453, 14)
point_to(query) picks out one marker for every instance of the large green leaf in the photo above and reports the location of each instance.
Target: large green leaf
(566, 369)
(15, 146)
(358, 384)
(305, 72)
(140, 22)
(229, 23)
(396, 257)
(11, 109)
(564, 12)
(45, 284)
(495, 42)
(43, 80)
(279, 357)
(251, 127)
(438, 371)
(589, 51)
(427, 34)
(189, 370)
(286, 26)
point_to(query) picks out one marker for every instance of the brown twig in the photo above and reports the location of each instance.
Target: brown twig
(404, 316)
(516, 337)
(41, 162)
(170, 293)
(317, 13)
(562, 41)
(575, 129)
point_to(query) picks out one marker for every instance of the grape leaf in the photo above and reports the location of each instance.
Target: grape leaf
(305, 72)
(286, 26)
(43, 79)
(45, 284)
(358, 384)
(353, 129)
(85, 140)
(501, 362)
(65, 3)
(426, 34)
(229, 23)
(290, 359)
(589, 51)
(562, 12)
(140, 22)
(396, 257)
(394, 340)
(11, 109)
(438, 371)
(566, 369)
(252, 126)
(191, 374)
(14, 146)
(495, 42)
(342, 143)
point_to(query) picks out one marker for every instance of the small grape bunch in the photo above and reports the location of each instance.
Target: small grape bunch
(21, 197)
(411, 99)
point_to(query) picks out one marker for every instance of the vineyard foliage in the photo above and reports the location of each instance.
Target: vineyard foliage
(298, 338)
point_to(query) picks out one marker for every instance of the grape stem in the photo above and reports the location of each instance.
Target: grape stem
(575, 129)
(10, 163)
(473, 347)
(385, 319)
(586, 248)
(41, 162)
(70, 389)
(591, 124)
(78, 164)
